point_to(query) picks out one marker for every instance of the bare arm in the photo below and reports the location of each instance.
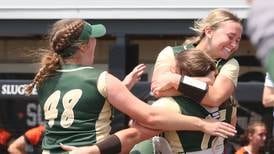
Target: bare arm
(221, 90)
(128, 138)
(158, 118)
(268, 93)
(268, 96)
(134, 76)
(18, 146)
(165, 81)
(224, 85)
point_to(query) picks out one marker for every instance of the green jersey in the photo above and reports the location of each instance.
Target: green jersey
(74, 107)
(189, 141)
(230, 104)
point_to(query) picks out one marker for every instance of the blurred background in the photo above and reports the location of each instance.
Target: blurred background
(137, 31)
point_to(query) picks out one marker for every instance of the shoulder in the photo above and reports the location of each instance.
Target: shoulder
(231, 64)
(167, 103)
(167, 49)
(175, 49)
(102, 84)
(233, 61)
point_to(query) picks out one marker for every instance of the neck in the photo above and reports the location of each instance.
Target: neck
(204, 46)
(252, 149)
(74, 59)
(69, 61)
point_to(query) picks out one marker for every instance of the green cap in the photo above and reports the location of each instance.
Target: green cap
(88, 31)
(94, 31)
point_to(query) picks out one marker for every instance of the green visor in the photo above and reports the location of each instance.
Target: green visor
(94, 31)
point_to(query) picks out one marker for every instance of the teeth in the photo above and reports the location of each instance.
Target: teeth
(227, 50)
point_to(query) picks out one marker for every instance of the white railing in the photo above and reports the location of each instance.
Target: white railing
(116, 9)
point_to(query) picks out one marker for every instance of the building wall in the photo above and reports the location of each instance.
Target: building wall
(17, 54)
(118, 9)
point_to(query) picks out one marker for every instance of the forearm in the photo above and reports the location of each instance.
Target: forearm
(121, 142)
(268, 97)
(16, 151)
(166, 85)
(269, 101)
(224, 84)
(127, 85)
(18, 146)
(167, 93)
(164, 119)
(131, 136)
(217, 94)
(165, 63)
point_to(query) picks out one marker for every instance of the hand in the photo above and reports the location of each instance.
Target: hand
(134, 76)
(217, 128)
(209, 79)
(146, 133)
(85, 150)
(166, 93)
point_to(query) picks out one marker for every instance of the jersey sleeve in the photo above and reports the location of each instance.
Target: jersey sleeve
(101, 84)
(168, 103)
(231, 70)
(34, 135)
(166, 58)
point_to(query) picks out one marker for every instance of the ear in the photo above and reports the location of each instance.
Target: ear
(208, 32)
(250, 136)
(83, 48)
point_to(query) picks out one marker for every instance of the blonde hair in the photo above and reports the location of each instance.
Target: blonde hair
(213, 20)
(63, 34)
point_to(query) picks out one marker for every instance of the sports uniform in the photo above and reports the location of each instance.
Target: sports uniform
(242, 150)
(191, 141)
(74, 88)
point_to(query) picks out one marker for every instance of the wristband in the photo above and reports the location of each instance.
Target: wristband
(111, 145)
(192, 88)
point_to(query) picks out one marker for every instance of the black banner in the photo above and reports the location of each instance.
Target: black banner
(15, 89)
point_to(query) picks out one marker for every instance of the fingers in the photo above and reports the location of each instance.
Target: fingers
(228, 129)
(140, 67)
(67, 147)
(221, 135)
(225, 130)
(139, 70)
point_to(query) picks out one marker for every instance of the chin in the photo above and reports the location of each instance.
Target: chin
(225, 56)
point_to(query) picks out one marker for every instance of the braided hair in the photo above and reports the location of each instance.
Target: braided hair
(63, 35)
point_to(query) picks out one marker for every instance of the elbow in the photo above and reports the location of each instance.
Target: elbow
(215, 103)
(152, 120)
(212, 102)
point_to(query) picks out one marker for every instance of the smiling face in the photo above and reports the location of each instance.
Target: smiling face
(224, 40)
